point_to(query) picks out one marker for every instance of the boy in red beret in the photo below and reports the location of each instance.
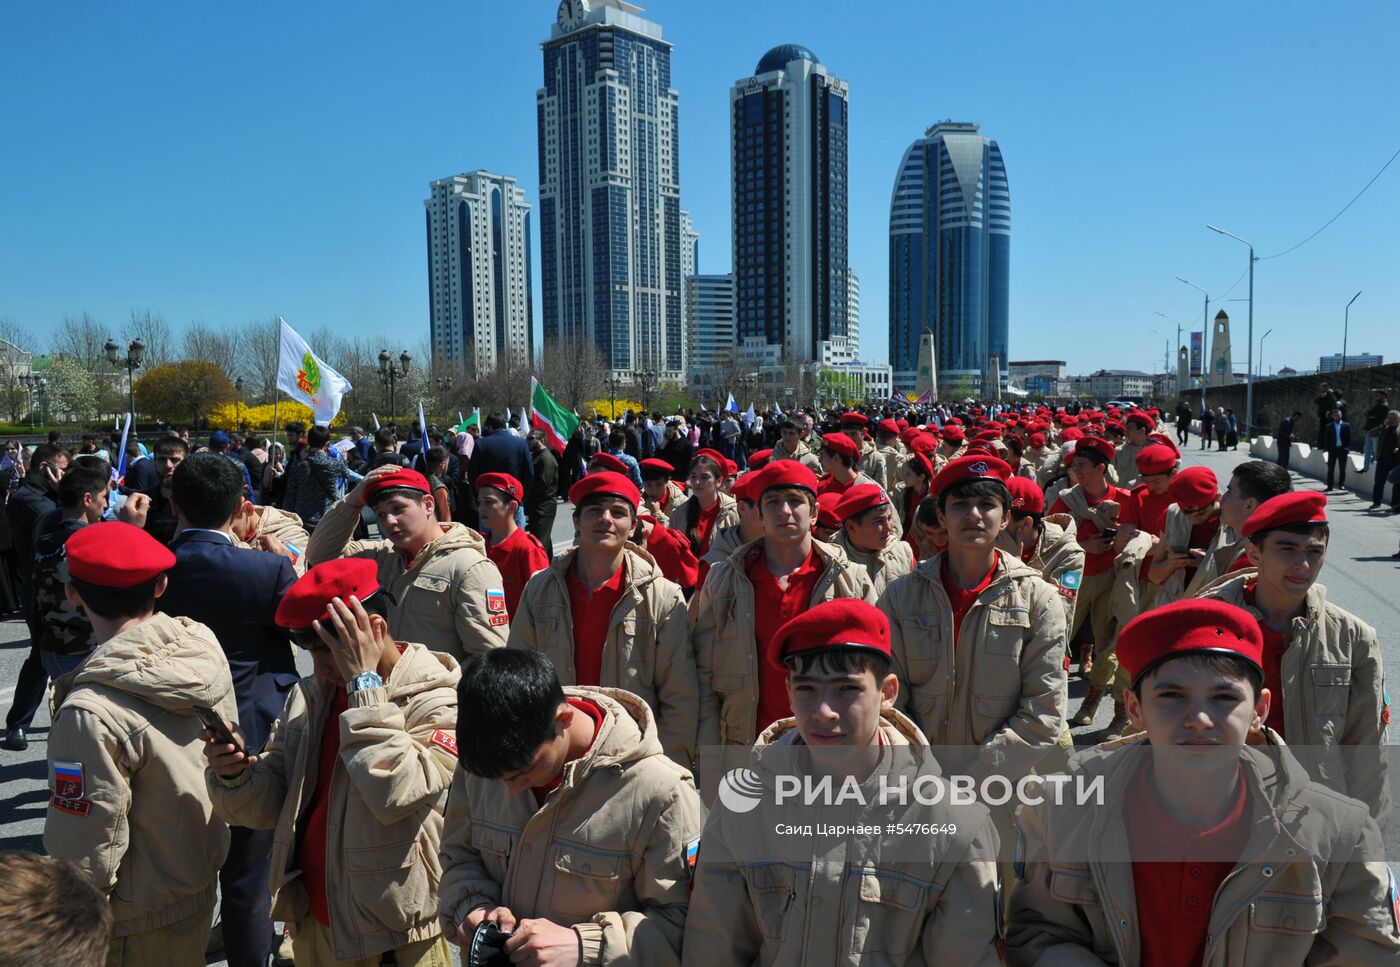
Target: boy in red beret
(867, 534)
(1191, 528)
(839, 456)
(517, 554)
(748, 528)
(1136, 426)
(353, 775)
(660, 492)
(1042, 544)
(937, 897)
(747, 597)
(606, 615)
(1209, 844)
(446, 592)
(128, 804)
(1322, 664)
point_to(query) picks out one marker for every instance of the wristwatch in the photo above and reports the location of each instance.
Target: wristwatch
(363, 681)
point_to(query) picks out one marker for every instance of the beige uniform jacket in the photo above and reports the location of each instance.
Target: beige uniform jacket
(1060, 560)
(605, 854)
(126, 765)
(726, 653)
(1125, 462)
(286, 527)
(1334, 703)
(646, 651)
(723, 544)
(1306, 897)
(894, 465)
(872, 464)
(894, 560)
(728, 515)
(397, 753)
(675, 496)
(913, 900)
(450, 598)
(1001, 686)
(1224, 549)
(805, 456)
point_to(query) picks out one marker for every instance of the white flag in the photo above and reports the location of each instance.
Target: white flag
(524, 421)
(306, 378)
(777, 410)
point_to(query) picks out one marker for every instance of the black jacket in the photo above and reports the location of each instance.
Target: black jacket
(540, 495)
(30, 501)
(1328, 435)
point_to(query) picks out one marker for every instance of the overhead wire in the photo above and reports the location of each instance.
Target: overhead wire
(1265, 258)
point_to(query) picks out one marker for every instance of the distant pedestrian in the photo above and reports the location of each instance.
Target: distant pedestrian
(1388, 463)
(541, 496)
(1183, 423)
(1206, 419)
(1287, 427)
(1336, 440)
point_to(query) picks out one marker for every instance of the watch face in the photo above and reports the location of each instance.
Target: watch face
(572, 12)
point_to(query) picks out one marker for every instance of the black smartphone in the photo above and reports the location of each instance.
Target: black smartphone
(214, 722)
(1109, 532)
(1181, 550)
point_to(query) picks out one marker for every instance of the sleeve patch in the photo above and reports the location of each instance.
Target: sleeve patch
(1070, 580)
(495, 601)
(498, 620)
(68, 780)
(445, 740)
(78, 807)
(692, 856)
(1394, 897)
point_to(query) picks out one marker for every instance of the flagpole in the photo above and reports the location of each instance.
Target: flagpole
(276, 391)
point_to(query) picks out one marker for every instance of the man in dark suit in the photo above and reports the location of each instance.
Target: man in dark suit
(1287, 427)
(141, 472)
(235, 592)
(1336, 440)
(500, 451)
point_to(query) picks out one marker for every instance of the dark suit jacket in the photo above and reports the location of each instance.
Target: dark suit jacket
(235, 592)
(503, 452)
(141, 476)
(1329, 436)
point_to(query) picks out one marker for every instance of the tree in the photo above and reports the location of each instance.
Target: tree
(82, 339)
(183, 391)
(201, 343)
(72, 392)
(14, 363)
(259, 344)
(152, 329)
(572, 370)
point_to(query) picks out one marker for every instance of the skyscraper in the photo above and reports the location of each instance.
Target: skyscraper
(788, 145)
(479, 272)
(709, 310)
(950, 243)
(610, 226)
(852, 313)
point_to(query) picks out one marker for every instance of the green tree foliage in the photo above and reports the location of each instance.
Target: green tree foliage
(71, 393)
(182, 392)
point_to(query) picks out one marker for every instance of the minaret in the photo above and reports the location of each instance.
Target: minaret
(926, 378)
(1222, 371)
(1183, 370)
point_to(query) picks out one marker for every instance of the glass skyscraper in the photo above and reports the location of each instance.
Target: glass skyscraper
(789, 143)
(950, 246)
(610, 219)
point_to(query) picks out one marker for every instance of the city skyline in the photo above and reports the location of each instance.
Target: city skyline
(1119, 161)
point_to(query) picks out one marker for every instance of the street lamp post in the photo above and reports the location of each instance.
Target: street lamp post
(1205, 339)
(1249, 363)
(135, 353)
(238, 402)
(389, 375)
(646, 382)
(1261, 351)
(1346, 324)
(613, 383)
(36, 385)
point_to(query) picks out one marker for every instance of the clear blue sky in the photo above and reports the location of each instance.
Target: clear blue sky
(227, 162)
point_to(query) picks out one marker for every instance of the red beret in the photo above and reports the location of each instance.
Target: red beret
(403, 477)
(1165, 441)
(1141, 419)
(918, 460)
(1097, 445)
(502, 481)
(1071, 433)
(841, 444)
(888, 426)
(759, 459)
(731, 469)
(651, 465)
(709, 454)
(975, 467)
(113, 554)
(908, 433)
(954, 421)
(602, 461)
(986, 436)
(859, 499)
(1193, 487)
(983, 447)
(1114, 411)
(1297, 507)
(1190, 627)
(902, 424)
(1155, 459)
(310, 597)
(740, 489)
(1115, 426)
(826, 511)
(605, 482)
(1037, 439)
(838, 624)
(1026, 495)
(924, 443)
(854, 419)
(953, 433)
(1068, 420)
(783, 473)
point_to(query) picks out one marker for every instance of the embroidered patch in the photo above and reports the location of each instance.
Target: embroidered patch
(1394, 902)
(1070, 580)
(1385, 705)
(444, 739)
(68, 780)
(980, 467)
(498, 620)
(692, 856)
(78, 807)
(495, 601)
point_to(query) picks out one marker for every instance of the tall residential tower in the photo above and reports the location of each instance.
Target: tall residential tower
(950, 244)
(479, 273)
(788, 143)
(610, 214)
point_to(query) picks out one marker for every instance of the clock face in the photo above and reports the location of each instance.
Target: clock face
(572, 12)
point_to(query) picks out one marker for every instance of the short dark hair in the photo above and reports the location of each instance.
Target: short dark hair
(788, 424)
(1222, 664)
(49, 912)
(846, 461)
(207, 488)
(117, 603)
(506, 704)
(981, 487)
(1262, 479)
(167, 445)
(317, 437)
(495, 421)
(43, 453)
(927, 512)
(840, 661)
(383, 437)
(1092, 455)
(435, 456)
(617, 439)
(87, 475)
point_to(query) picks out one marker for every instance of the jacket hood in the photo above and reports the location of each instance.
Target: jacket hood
(641, 567)
(771, 753)
(454, 536)
(896, 728)
(827, 553)
(1011, 567)
(420, 670)
(866, 557)
(172, 663)
(628, 733)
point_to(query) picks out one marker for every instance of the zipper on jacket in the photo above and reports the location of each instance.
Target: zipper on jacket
(1102, 886)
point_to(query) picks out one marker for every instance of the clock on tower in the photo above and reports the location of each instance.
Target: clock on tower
(571, 13)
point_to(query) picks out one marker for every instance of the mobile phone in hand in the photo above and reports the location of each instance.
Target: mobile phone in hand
(214, 722)
(1109, 532)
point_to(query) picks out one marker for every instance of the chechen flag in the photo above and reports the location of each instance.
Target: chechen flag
(306, 378)
(557, 423)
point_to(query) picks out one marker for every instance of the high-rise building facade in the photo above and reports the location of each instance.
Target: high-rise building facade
(788, 146)
(709, 316)
(950, 244)
(610, 223)
(479, 300)
(852, 313)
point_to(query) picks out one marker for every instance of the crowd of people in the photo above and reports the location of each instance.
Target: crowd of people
(560, 756)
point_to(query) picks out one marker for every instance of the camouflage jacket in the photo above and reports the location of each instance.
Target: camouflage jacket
(64, 629)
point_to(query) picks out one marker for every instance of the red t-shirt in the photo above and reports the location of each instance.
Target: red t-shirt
(830, 485)
(1239, 564)
(1085, 529)
(1275, 644)
(673, 555)
(595, 713)
(704, 525)
(773, 607)
(517, 558)
(1201, 536)
(1146, 511)
(1174, 896)
(962, 598)
(591, 615)
(312, 852)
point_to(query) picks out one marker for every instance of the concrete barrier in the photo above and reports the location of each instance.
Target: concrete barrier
(1312, 462)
